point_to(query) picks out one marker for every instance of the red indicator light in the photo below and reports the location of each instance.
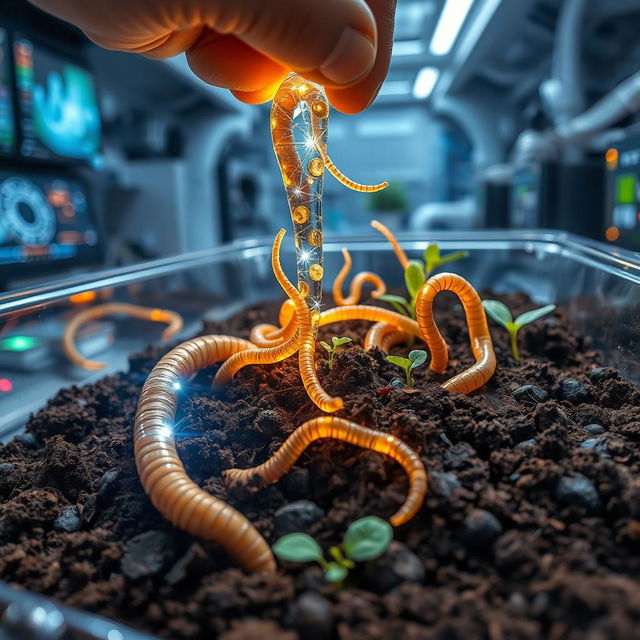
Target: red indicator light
(5, 385)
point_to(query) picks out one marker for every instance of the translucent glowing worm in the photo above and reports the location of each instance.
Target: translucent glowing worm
(299, 121)
(397, 249)
(113, 308)
(337, 428)
(479, 335)
(355, 289)
(161, 472)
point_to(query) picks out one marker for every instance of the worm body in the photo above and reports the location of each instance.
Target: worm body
(479, 335)
(337, 428)
(113, 308)
(397, 249)
(355, 289)
(384, 336)
(161, 472)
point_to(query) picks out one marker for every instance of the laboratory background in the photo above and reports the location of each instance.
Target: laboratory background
(138, 211)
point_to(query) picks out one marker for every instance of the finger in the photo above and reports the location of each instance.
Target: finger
(333, 42)
(358, 97)
(225, 61)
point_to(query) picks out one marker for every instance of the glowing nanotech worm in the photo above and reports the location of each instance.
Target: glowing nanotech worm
(108, 309)
(355, 290)
(338, 429)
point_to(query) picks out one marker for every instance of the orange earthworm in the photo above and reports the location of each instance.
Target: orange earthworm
(397, 249)
(112, 308)
(384, 336)
(355, 290)
(267, 335)
(284, 350)
(479, 335)
(339, 429)
(161, 472)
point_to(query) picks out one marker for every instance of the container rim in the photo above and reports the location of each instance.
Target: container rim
(614, 260)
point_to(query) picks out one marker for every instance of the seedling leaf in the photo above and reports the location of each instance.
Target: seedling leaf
(404, 363)
(335, 572)
(417, 358)
(414, 277)
(337, 342)
(326, 346)
(534, 314)
(367, 538)
(298, 547)
(452, 257)
(398, 303)
(498, 311)
(432, 255)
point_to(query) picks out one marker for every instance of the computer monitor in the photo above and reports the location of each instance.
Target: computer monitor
(45, 221)
(58, 105)
(7, 116)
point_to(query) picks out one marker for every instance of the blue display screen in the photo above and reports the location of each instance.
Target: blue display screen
(7, 121)
(59, 111)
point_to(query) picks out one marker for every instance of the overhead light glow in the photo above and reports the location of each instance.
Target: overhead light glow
(395, 88)
(449, 24)
(408, 48)
(425, 82)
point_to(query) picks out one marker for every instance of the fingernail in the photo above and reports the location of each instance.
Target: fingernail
(375, 95)
(352, 58)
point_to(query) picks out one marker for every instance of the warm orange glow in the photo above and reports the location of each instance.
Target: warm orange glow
(338, 429)
(612, 234)
(82, 298)
(355, 292)
(611, 156)
(113, 308)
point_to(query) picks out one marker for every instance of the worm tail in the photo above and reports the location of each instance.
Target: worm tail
(347, 182)
(340, 429)
(355, 289)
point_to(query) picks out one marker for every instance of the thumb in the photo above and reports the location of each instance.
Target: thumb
(332, 42)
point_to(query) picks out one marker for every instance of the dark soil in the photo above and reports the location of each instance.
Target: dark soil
(531, 527)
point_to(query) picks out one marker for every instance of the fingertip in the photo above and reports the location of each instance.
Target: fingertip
(262, 95)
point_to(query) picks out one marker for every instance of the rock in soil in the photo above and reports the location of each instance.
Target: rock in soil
(594, 429)
(311, 617)
(297, 516)
(147, 555)
(68, 521)
(480, 529)
(576, 490)
(530, 394)
(573, 391)
(396, 566)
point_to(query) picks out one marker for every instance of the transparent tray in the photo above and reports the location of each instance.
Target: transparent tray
(598, 287)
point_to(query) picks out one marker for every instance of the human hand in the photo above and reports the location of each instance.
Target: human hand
(249, 46)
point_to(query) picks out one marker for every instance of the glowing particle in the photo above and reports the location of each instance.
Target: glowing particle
(612, 234)
(315, 238)
(320, 108)
(5, 385)
(315, 272)
(300, 214)
(316, 167)
(81, 298)
(611, 156)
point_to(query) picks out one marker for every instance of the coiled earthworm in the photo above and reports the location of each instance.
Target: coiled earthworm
(355, 289)
(384, 336)
(113, 308)
(267, 335)
(339, 429)
(479, 335)
(161, 472)
(284, 350)
(397, 249)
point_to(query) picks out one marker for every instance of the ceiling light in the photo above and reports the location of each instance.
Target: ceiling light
(449, 24)
(395, 88)
(425, 81)
(408, 48)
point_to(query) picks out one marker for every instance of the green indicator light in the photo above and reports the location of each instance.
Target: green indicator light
(626, 189)
(18, 343)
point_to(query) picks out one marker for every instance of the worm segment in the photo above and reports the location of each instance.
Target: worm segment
(355, 290)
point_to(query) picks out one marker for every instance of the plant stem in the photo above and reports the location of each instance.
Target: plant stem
(409, 379)
(514, 343)
(331, 355)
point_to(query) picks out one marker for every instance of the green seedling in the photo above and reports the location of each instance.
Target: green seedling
(416, 274)
(365, 539)
(333, 348)
(501, 314)
(416, 358)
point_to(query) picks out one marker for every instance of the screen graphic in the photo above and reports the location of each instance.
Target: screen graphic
(7, 123)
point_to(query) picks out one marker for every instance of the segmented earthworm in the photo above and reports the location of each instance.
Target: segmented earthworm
(479, 335)
(161, 472)
(397, 249)
(339, 429)
(384, 336)
(284, 350)
(267, 335)
(355, 289)
(112, 308)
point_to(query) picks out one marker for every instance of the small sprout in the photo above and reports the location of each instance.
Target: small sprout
(400, 304)
(416, 358)
(501, 314)
(333, 348)
(433, 259)
(365, 539)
